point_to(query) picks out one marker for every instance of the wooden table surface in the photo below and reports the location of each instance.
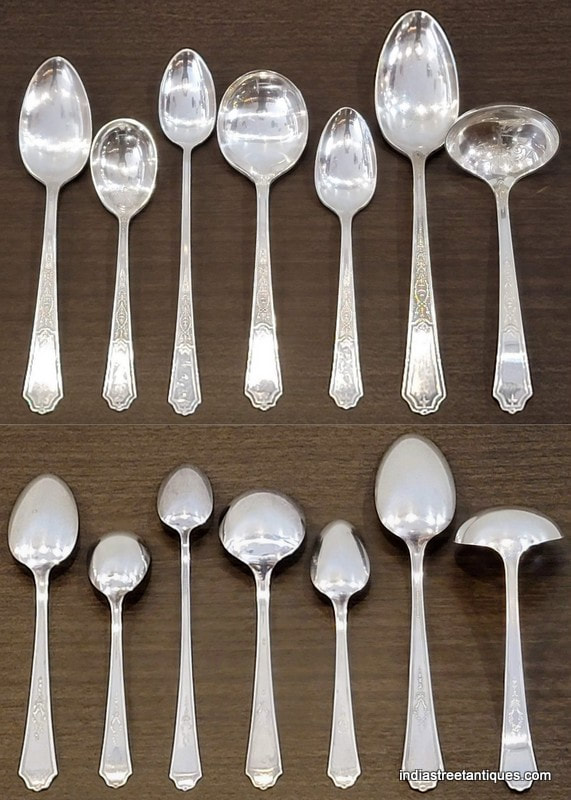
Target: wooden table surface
(324, 457)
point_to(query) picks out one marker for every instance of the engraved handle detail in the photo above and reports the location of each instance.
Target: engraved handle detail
(43, 385)
(263, 384)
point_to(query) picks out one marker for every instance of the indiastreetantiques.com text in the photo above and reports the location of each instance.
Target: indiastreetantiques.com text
(471, 775)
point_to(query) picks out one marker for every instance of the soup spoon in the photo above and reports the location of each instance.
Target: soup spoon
(124, 169)
(339, 569)
(118, 564)
(415, 499)
(261, 528)
(55, 136)
(262, 132)
(187, 112)
(501, 144)
(416, 100)
(510, 532)
(42, 534)
(185, 503)
(345, 179)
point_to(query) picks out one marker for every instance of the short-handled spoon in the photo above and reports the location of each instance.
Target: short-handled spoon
(415, 498)
(124, 169)
(187, 112)
(185, 503)
(339, 569)
(345, 179)
(42, 534)
(501, 144)
(55, 136)
(416, 99)
(511, 532)
(262, 132)
(259, 529)
(118, 564)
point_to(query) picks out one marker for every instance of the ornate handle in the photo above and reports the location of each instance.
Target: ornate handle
(263, 760)
(263, 375)
(43, 386)
(184, 389)
(423, 385)
(346, 386)
(185, 769)
(119, 388)
(38, 765)
(115, 767)
(512, 380)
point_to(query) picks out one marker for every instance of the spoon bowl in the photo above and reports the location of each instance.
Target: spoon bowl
(340, 565)
(118, 564)
(185, 500)
(508, 531)
(187, 100)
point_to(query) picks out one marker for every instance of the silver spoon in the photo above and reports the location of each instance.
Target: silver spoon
(260, 528)
(42, 534)
(55, 136)
(416, 498)
(416, 99)
(510, 532)
(345, 179)
(187, 112)
(339, 569)
(184, 503)
(118, 564)
(262, 131)
(124, 169)
(501, 144)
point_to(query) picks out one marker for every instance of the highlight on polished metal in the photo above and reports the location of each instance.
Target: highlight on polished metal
(54, 137)
(187, 113)
(261, 528)
(185, 503)
(511, 532)
(42, 534)
(118, 564)
(416, 100)
(415, 498)
(345, 180)
(339, 570)
(262, 132)
(124, 169)
(501, 144)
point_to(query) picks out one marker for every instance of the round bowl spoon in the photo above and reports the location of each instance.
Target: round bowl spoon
(185, 503)
(187, 113)
(345, 179)
(261, 528)
(124, 170)
(262, 131)
(501, 144)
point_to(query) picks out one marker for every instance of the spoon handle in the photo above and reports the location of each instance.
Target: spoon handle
(421, 746)
(184, 390)
(38, 765)
(263, 384)
(115, 766)
(346, 386)
(517, 749)
(119, 388)
(263, 760)
(43, 386)
(512, 381)
(423, 385)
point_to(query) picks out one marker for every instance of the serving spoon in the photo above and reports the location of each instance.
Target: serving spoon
(345, 180)
(124, 170)
(261, 528)
(415, 498)
(54, 137)
(262, 132)
(42, 534)
(416, 100)
(185, 503)
(502, 144)
(187, 112)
